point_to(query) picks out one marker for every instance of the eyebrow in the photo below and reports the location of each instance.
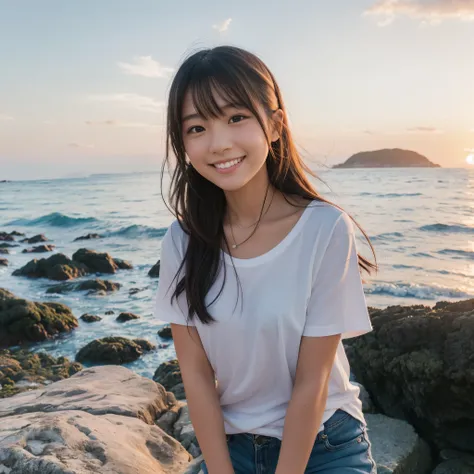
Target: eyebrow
(226, 106)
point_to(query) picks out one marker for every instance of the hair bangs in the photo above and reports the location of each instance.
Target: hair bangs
(231, 87)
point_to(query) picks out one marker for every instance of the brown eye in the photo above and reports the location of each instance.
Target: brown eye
(241, 117)
(190, 130)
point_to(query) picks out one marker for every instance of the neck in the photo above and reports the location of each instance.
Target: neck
(244, 206)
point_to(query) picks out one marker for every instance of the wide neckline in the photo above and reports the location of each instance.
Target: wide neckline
(265, 257)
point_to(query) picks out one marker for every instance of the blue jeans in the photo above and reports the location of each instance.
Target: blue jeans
(343, 447)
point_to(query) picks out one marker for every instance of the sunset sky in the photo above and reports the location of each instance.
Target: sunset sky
(83, 84)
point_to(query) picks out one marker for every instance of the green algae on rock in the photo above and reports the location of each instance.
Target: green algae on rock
(27, 321)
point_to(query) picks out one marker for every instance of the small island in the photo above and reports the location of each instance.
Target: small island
(387, 158)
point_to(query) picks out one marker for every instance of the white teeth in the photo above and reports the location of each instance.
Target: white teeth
(228, 164)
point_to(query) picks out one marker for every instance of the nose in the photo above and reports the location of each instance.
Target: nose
(220, 140)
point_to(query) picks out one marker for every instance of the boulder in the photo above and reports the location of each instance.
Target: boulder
(90, 318)
(5, 245)
(99, 262)
(4, 251)
(57, 267)
(113, 350)
(124, 317)
(417, 365)
(22, 370)
(99, 420)
(60, 267)
(168, 374)
(155, 270)
(27, 321)
(40, 249)
(6, 237)
(3, 262)
(35, 239)
(165, 332)
(88, 237)
(396, 447)
(92, 285)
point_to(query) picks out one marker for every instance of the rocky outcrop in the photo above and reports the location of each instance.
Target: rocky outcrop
(165, 332)
(387, 158)
(168, 374)
(35, 239)
(5, 237)
(113, 350)
(22, 370)
(3, 262)
(417, 365)
(90, 318)
(100, 262)
(155, 270)
(124, 317)
(57, 267)
(93, 286)
(60, 267)
(88, 237)
(100, 420)
(5, 245)
(27, 321)
(40, 249)
(396, 447)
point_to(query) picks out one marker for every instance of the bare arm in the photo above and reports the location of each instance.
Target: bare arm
(203, 400)
(308, 401)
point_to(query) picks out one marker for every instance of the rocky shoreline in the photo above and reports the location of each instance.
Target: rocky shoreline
(416, 369)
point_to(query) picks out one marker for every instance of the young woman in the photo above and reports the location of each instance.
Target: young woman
(260, 280)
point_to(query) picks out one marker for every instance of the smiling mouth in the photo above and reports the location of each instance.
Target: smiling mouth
(228, 164)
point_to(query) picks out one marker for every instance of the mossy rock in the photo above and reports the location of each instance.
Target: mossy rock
(124, 317)
(91, 285)
(165, 332)
(113, 350)
(57, 267)
(27, 321)
(29, 368)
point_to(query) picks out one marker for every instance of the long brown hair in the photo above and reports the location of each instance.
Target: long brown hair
(198, 204)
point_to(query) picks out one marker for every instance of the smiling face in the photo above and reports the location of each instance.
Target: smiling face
(229, 150)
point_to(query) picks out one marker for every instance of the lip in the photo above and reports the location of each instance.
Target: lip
(231, 168)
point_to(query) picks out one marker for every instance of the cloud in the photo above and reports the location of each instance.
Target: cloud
(79, 145)
(430, 12)
(6, 118)
(117, 123)
(145, 66)
(224, 26)
(134, 101)
(424, 130)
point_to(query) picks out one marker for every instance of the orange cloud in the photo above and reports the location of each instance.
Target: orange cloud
(428, 12)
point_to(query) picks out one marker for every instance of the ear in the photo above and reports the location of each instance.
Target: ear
(277, 124)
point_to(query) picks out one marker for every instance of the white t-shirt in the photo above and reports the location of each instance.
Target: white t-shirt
(308, 285)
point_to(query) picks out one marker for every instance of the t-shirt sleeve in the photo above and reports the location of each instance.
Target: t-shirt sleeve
(170, 261)
(337, 302)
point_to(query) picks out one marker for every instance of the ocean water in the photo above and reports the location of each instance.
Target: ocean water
(420, 221)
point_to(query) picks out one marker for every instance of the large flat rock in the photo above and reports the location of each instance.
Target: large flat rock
(98, 390)
(101, 419)
(77, 442)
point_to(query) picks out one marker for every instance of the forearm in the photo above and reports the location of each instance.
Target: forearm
(302, 421)
(206, 416)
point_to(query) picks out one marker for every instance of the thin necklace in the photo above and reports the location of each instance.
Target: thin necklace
(253, 232)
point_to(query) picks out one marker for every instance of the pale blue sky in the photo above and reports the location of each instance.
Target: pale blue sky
(75, 96)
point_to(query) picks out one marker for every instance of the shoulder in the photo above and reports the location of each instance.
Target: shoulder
(327, 220)
(174, 238)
